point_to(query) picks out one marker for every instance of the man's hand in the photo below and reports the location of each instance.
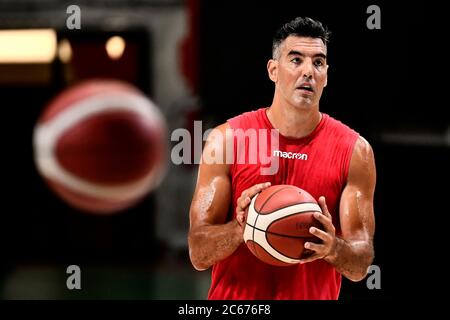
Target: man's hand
(352, 252)
(328, 235)
(244, 200)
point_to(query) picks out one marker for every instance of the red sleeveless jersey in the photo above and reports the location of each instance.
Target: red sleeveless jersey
(317, 163)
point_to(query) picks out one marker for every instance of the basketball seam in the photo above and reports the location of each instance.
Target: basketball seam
(270, 197)
(284, 254)
(281, 253)
(287, 263)
(262, 206)
(292, 205)
(253, 232)
(284, 217)
(278, 234)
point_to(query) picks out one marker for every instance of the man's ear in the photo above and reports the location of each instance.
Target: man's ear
(272, 70)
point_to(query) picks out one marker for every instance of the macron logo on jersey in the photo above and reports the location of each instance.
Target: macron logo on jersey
(290, 155)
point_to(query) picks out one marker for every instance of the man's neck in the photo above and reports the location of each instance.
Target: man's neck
(294, 122)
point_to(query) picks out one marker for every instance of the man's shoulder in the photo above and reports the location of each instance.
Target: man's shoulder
(338, 126)
(247, 119)
(339, 134)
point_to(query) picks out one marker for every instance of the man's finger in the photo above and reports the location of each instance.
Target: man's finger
(313, 246)
(258, 188)
(253, 190)
(323, 205)
(322, 235)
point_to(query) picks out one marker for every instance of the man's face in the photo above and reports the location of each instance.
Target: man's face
(300, 71)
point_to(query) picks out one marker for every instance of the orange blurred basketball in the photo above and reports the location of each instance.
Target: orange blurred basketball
(278, 222)
(101, 145)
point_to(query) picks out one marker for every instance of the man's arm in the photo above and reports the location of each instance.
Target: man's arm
(211, 239)
(352, 252)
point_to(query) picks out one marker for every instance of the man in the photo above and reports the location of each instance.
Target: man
(339, 170)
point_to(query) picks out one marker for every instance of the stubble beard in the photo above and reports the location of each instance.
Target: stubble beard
(302, 102)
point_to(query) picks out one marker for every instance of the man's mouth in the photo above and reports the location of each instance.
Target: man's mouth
(306, 87)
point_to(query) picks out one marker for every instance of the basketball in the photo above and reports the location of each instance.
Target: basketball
(277, 224)
(100, 145)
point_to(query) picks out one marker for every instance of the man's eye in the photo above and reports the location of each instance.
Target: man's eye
(296, 60)
(318, 63)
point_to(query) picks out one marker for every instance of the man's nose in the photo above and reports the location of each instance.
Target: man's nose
(307, 71)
